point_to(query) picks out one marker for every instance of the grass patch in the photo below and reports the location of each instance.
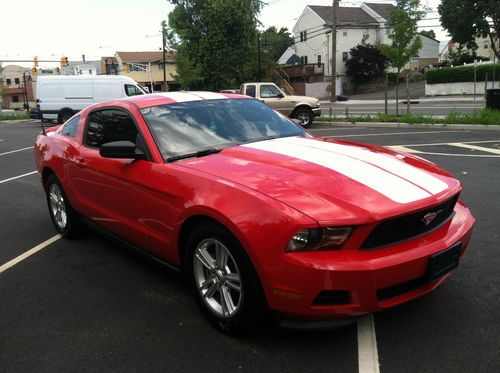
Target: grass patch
(14, 116)
(484, 116)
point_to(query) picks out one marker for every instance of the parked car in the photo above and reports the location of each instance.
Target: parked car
(257, 214)
(61, 96)
(303, 108)
(35, 113)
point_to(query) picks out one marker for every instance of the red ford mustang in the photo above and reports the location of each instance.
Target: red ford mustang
(257, 213)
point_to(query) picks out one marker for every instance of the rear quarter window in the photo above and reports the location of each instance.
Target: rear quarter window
(70, 127)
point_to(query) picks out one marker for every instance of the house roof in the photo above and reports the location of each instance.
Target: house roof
(108, 59)
(382, 9)
(345, 14)
(145, 56)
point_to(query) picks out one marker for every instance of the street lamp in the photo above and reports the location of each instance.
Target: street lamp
(266, 48)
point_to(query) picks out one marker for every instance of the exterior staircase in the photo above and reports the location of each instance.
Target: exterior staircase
(282, 79)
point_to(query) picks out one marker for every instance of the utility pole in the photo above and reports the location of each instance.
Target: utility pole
(333, 93)
(165, 87)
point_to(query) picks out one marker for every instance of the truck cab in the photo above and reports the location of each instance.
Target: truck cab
(303, 108)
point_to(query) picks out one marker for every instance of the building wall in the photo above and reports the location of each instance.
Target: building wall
(318, 43)
(14, 89)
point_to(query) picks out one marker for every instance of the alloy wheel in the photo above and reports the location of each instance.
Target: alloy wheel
(58, 206)
(217, 278)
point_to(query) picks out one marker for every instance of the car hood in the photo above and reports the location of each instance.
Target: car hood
(331, 181)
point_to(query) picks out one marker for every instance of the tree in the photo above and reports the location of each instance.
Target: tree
(214, 40)
(467, 19)
(429, 33)
(405, 44)
(459, 56)
(366, 63)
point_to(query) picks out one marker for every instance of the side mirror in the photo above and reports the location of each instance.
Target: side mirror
(121, 149)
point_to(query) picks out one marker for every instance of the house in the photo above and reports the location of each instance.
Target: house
(484, 48)
(109, 66)
(16, 87)
(146, 68)
(355, 25)
(82, 68)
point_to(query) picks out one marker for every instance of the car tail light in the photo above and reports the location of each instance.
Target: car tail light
(313, 239)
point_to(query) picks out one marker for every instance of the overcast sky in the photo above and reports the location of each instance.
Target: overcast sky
(50, 28)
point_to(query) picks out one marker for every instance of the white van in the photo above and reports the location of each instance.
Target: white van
(61, 96)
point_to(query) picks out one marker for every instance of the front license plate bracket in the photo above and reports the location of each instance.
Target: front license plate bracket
(443, 262)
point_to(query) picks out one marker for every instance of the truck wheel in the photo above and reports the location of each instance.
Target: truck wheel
(305, 116)
(64, 115)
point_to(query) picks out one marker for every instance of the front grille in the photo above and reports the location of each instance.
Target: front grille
(409, 226)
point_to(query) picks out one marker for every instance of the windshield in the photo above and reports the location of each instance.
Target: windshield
(189, 127)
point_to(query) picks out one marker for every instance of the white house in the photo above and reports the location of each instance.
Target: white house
(364, 24)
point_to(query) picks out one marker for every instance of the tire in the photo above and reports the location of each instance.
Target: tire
(62, 214)
(305, 116)
(215, 286)
(64, 116)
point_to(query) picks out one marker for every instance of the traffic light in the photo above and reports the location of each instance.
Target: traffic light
(33, 70)
(64, 61)
(127, 67)
(35, 61)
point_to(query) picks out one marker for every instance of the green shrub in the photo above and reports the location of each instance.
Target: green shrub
(462, 74)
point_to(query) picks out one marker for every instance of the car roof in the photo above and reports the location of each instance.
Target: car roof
(165, 98)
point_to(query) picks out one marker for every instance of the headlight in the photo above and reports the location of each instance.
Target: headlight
(318, 104)
(312, 239)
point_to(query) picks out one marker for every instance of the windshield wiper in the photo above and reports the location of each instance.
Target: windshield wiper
(198, 154)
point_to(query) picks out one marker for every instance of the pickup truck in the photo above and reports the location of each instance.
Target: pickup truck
(303, 108)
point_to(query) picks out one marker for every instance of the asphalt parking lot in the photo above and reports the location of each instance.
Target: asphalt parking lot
(90, 305)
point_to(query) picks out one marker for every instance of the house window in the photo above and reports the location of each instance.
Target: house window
(485, 45)
(15, 98)
(303, 35)
(16, 80)
(344, 33)
(319, 60)
(304, 60)
(9, 82)
(345, 56)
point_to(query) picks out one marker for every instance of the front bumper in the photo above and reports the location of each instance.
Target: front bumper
(316, 112)
(372, 280)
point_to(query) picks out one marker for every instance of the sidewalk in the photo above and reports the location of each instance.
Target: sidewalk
(333, 124)
(446, 99)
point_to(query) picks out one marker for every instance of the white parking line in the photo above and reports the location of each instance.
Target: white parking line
(28, 253)
(17, 150)
(475, 147)
(447, 143)
(17, 177)
(367, 346)
(397, 133)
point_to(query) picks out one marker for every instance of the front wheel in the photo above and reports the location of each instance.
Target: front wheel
(62, 215)
(223, 280)
(305, 117)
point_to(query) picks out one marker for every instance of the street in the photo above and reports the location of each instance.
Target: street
(88, 304)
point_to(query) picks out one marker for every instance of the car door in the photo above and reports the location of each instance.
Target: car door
(113, 192)
(272, 96)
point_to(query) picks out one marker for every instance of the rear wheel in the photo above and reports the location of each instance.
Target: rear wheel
(62, 215)
(305, 116)
(223, 280)
(65, 115)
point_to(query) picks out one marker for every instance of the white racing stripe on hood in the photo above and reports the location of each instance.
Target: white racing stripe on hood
(209, 95)
(385, 161)
(391, 186)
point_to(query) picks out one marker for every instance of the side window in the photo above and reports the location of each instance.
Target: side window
(250, 91)
(70, 127)
(132, 90)
(267, 91)
(109, 125)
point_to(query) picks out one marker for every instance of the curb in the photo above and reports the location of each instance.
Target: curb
(408, 125)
